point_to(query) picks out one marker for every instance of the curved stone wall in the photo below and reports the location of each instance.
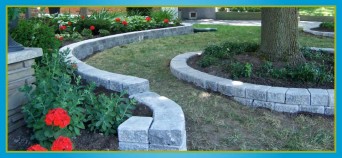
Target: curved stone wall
(166, 130)
(291, 100)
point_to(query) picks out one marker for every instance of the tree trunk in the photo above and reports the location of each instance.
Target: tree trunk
(279, 35)
(84, 11)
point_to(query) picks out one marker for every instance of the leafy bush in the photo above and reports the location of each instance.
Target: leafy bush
(54, 89)
(327, 25)
(97, 23)
(87, 33)
(215, 51)
(33, 33)
(160, 15)
(228, 49)
(238, 69)
(104, 32)
(104, 14)
(105, 113)
(142, 11)
(207, 61)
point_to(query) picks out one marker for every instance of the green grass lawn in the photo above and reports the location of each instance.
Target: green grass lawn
(213, 121)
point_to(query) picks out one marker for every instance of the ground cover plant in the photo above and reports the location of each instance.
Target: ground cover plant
(213, 121)
(242, 61)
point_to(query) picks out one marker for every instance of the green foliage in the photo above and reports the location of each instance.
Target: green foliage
(54, 89)
(87, 33)
(104, 14)
(33, 33)
(327, 25)
(104, 32)
(238, 69)
(227, 49)
(245, 9)
(105, 113)
(137, 23)
(310, 72)
(207, 61)
(215, 51)
(160, 15)
(142, 11)
(98, 23)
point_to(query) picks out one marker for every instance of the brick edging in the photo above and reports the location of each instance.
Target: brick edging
(291, 100)
(167, 130)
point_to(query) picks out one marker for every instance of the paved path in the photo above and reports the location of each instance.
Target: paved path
(304, 24)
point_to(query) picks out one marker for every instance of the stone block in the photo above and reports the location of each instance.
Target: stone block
(167, 132)
(312, 109)
(276, 94)
(15, 66)
(319, 97)
(244, 101)
(286, 108)
(329, 111)
(263, 104)
(26, 54)
(299, 96)
(331, 93)
(16, 117)
(258, 92)
(18, 124)
(232, 88)
(158, 147)
(212, 82)
(19, 74)
(29, 63)
(127, 146)
(135, 130)
(135, 85)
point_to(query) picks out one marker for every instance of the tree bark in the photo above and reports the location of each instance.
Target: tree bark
(84, 11)
(279, 35)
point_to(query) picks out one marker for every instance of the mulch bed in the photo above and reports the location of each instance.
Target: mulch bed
(217, 70)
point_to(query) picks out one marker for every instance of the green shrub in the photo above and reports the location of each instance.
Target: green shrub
(104, 32)
(215, 51)
(160, 15)
(238, 69)
(33, 33)
(327, 25)
(207, 61)
(54, 89)
(87, 33)
(142, 11)
(105, 113)
(97, 23)
(310, 72)
(105, 14)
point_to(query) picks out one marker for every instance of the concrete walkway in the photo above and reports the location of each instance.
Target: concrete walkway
(303, 24)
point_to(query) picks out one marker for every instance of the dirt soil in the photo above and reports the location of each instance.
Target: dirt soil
(19, 140)
(217, 70)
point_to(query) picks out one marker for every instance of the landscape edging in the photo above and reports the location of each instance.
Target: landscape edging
(290, 100)
(167, 130)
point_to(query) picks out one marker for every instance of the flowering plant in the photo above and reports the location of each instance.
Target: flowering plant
(57, 117)
(166, 21)
(62, 144)
(148, 19)
(117, 19)
(92, 28)
(124, 23)
(36, 147)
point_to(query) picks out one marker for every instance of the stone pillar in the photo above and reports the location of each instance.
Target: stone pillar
(20, 72)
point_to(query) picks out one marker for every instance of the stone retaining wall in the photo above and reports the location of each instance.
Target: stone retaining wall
(291, 100)
(166, 130)
(319, 33)
(20, 72)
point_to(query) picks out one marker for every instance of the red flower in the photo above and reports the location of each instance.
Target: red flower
(69, 23)
(166, 21)
(92, 27)
(148, 19)
(62, 144)
(36, 147)
(82, 17)
(57, 117)
(124, 23)
(62, 27)
(117, 19)
(61, 38)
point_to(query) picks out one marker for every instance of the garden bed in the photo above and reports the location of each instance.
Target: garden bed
(19, 140)
(252, 67)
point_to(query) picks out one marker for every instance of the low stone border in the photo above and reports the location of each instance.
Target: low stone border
(326, 50)
(319, 33)
(166, 130)
(291, 100)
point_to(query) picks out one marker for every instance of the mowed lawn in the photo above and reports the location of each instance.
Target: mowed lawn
(213, 121)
